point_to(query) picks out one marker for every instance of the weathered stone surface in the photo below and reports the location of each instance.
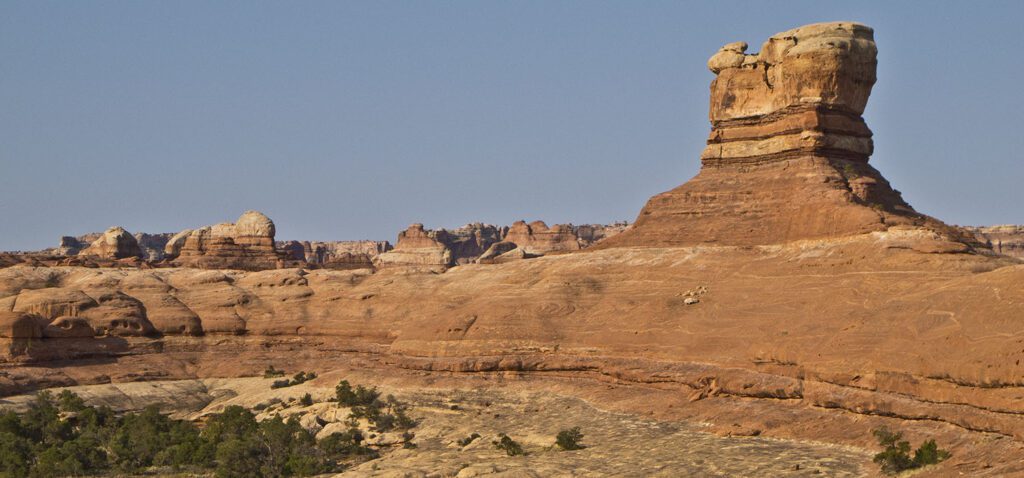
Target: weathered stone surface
(115, 243)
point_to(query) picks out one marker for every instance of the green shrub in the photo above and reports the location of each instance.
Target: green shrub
(298, 378)
(358, 396)
(466, 441)
(895, 455)
(306, 400)
(929, 454)
(508, 445)
(272, 372)
(569, 439)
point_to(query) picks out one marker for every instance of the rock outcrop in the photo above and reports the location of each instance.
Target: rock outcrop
(115, 243)
(787, 158)
(335, 254)
(418, 248)
(152, 245)
(247, 244)
(439, 249)
(537, 238)
(1005, 239)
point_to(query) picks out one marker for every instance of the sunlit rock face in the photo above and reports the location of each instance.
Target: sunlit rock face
(115, 243)
(247, 244)
(787, 157)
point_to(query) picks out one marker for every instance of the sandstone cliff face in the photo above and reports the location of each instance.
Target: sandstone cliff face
(787, 158)
(1004, 239)
(247, 244)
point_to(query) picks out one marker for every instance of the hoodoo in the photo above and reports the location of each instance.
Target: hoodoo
(787, 158)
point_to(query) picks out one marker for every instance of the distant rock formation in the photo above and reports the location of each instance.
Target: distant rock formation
(152, 245)
(436, 250)
(335, 254)
(420, 249)
(115, 243)
(537, 238)
(248, 244)
(787, 158)
(1005, 239)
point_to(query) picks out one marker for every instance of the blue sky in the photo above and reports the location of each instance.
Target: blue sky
(350, 120)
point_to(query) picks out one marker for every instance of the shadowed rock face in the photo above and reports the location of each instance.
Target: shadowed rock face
(788, 151)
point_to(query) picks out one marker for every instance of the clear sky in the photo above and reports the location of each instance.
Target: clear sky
(350, 120)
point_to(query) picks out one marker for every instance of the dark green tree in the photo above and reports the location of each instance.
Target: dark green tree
(569, 439)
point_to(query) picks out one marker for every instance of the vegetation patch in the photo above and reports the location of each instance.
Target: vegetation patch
(895, 455)
(508, 445)
(300, 377)
(569, 439)
(62, 436)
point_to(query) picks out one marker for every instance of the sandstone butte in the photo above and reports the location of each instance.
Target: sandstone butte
(787, 288)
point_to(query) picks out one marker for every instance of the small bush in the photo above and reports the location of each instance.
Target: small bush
(300, 377)
(895, 455)
(508, 445)
(271, 373)
(468, 440)
(929, 454)
(358, 396)
(569, 439)
(306, 400)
